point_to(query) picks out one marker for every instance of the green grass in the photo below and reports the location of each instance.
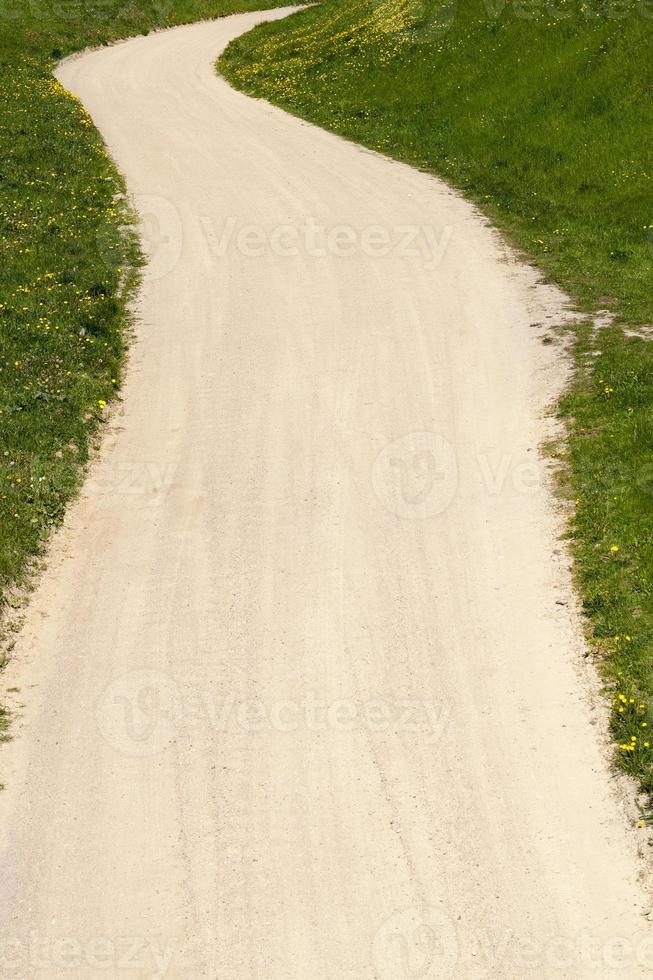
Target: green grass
(66, 261)
(609, 410)
(545, 121)
(69, 260)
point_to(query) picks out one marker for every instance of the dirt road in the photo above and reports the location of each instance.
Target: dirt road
(301, 686)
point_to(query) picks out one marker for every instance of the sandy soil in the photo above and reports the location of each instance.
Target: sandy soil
(301, 686)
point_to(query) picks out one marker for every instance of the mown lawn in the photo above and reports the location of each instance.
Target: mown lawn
(542, 113)
(66, 261)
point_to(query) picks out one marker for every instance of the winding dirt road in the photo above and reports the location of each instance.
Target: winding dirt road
(301, 686)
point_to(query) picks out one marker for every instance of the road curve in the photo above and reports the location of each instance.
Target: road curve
(301, 686)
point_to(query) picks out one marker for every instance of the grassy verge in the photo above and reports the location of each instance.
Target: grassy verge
(68, 260)
(538, 112)
(4, 724)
